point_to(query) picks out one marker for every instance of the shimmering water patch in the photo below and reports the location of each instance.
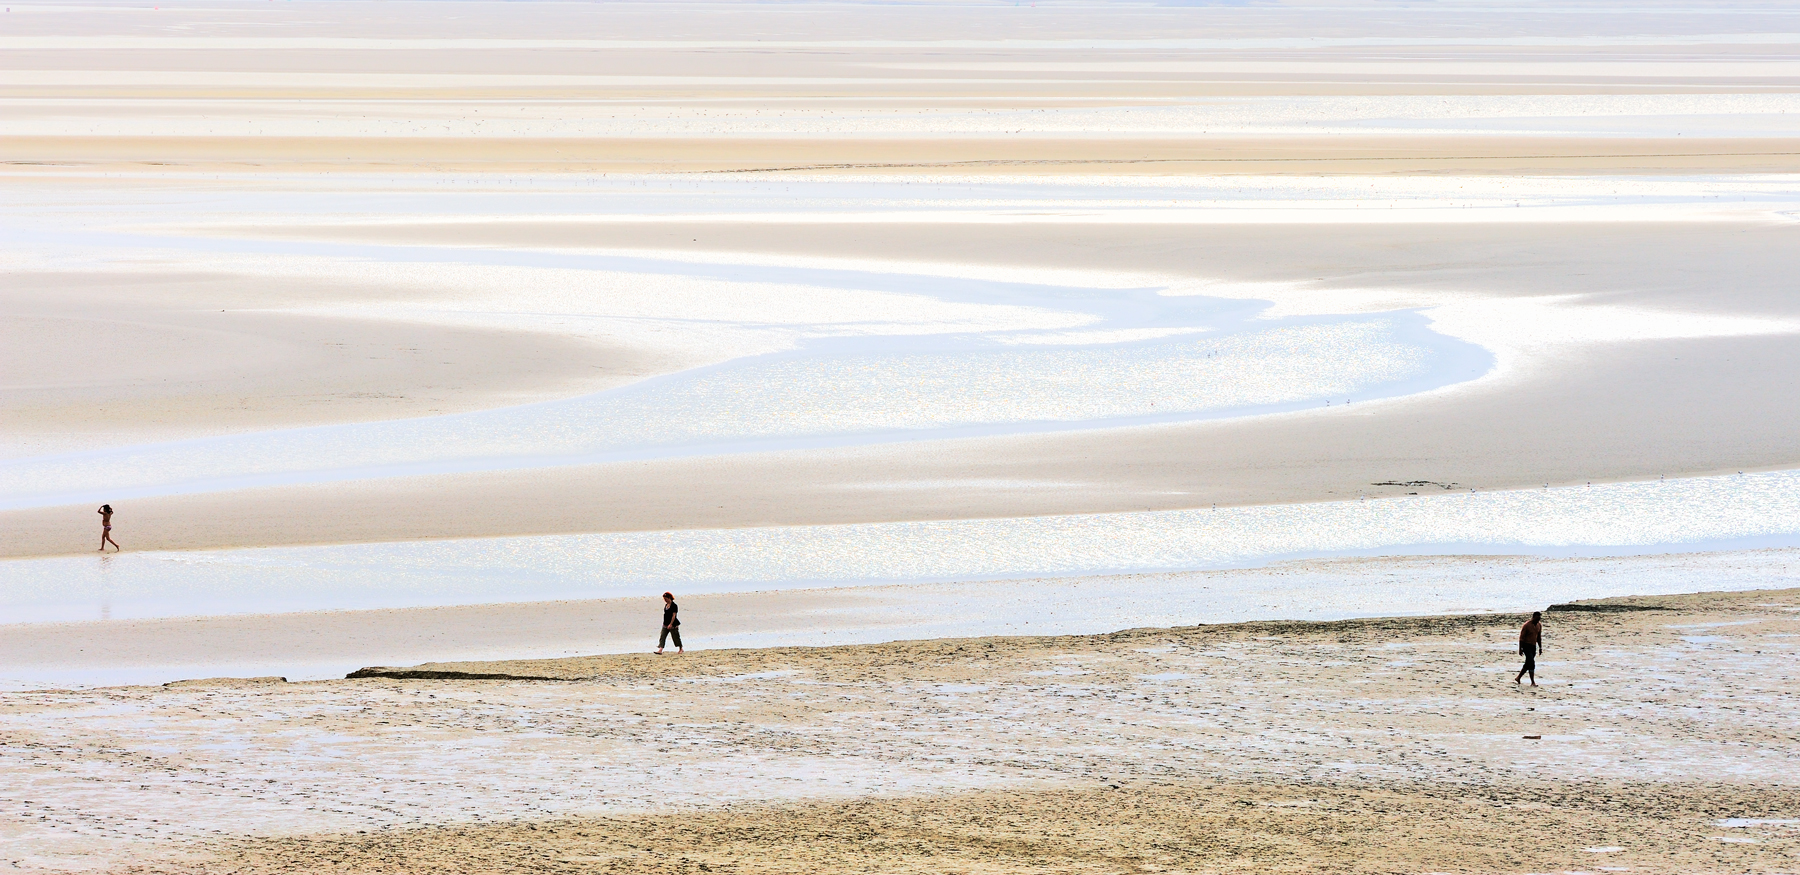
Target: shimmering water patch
(1689, 514)
(860, 393)
(888, 390)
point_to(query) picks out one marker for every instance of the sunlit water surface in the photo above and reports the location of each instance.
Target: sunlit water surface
(821, 397)
(1758, 509)
(922, 354)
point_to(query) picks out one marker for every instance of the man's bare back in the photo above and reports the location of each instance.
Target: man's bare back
(1531, 642)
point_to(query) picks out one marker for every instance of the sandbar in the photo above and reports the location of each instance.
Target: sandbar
(1364, 745)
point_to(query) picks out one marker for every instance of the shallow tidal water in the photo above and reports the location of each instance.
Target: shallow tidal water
(1685, 515)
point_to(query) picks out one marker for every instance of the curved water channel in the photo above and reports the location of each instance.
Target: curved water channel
(1203, 358)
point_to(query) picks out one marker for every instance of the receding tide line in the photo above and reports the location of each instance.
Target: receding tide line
(1693, 514)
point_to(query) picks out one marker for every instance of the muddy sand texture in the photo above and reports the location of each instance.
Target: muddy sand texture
(1182, 827)
(1668, 744)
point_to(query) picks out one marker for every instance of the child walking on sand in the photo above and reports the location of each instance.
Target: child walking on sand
(105, 513)
(1531, 640)
(671, 623)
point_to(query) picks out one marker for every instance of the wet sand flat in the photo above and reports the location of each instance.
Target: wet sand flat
(239, 231)
(1369, 745)
(93, 359)
(144, 143)
(1569, 406)
(1039, 157)
(853, 89)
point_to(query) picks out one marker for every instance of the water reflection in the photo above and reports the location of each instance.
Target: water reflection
(1700, 513)
(832, 393)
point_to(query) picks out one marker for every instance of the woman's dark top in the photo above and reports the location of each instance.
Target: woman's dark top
(670, 621)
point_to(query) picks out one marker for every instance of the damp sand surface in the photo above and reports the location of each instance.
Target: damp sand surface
(1664, 742)
(246, 220)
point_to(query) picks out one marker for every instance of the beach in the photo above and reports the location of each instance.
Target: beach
(106, 637)
(1607, 359)
(1658, 739)
(339, 261)
(1081, 437)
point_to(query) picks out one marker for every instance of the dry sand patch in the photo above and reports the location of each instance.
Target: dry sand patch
(95, 359)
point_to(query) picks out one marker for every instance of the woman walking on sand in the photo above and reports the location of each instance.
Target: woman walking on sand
(105, 513)
(1531, 640)
(671, 623)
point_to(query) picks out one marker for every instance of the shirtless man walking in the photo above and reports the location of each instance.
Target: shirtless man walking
(1531, 640)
